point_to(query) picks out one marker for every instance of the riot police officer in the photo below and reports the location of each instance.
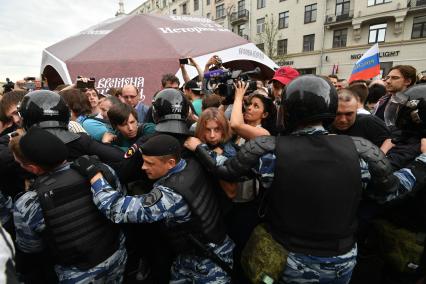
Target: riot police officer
(57, 215)
(181, 200)
(315, 182)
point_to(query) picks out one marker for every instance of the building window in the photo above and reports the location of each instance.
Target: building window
(377, 2)
(419, 27)
(174, 11)
(339, 38)
(310, 13)
(220, 11)
(308, 42)
(282, 47)
(241, 5)
(261, 46)
(207, 2)
(240, 30)
(377, 33)
(184, 9)
(343, 7)
(196, 5)
(283, 20)
(164, 3)
(261, 4)
(260, 25)
(208, 16)
(305, 71)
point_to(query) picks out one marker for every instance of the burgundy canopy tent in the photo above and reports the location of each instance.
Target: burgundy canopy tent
(139, 49)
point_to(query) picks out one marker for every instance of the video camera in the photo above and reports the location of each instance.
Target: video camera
(222, 81)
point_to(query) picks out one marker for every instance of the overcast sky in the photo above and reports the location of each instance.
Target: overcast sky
(29, 26)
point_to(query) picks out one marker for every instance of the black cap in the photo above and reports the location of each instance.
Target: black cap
(43, 148)
(161, 145)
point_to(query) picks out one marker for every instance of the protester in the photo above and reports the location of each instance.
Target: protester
(360, 89)
(333, 79)
(399, 78)
(130, 95)
(170, 81)
(349, 122)
(93, 96)
(123, 119)
(376, 90)
(97, 126)
(9, 106)
(258, 112)
(282, 77)
(80, 108)
(193, 93)
(214, 131)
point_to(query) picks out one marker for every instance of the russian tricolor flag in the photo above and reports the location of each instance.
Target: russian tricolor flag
(368, 66)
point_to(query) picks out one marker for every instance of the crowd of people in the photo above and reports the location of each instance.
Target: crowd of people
(295, 179)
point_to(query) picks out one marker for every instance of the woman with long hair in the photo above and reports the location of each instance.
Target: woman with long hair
(253, 117)
(214, 133)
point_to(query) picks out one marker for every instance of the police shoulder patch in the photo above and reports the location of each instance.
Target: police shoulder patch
(131, 151)
(152, 197)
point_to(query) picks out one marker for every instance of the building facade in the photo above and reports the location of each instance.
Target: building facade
(314, 36)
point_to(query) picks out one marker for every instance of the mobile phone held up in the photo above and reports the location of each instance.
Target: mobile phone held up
(90, 84)
(184, 61)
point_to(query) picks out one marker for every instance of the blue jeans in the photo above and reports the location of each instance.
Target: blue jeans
(324, 270)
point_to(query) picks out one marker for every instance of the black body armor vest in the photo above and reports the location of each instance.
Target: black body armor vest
(76, 231)
(315, 194)
(198, 191)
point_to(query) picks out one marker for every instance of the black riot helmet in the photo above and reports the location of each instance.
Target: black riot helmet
(47, 110)
(44, 108)
(308, 99)
(170, 110)
(407, 110)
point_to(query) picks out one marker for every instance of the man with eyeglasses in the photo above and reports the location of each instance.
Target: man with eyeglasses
(399, 78)
(130, 96)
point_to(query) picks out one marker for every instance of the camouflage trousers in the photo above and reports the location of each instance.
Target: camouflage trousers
(110, 270)
(303, 269)
(194, 269)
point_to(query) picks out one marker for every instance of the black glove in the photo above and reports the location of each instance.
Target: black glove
(87, 166)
